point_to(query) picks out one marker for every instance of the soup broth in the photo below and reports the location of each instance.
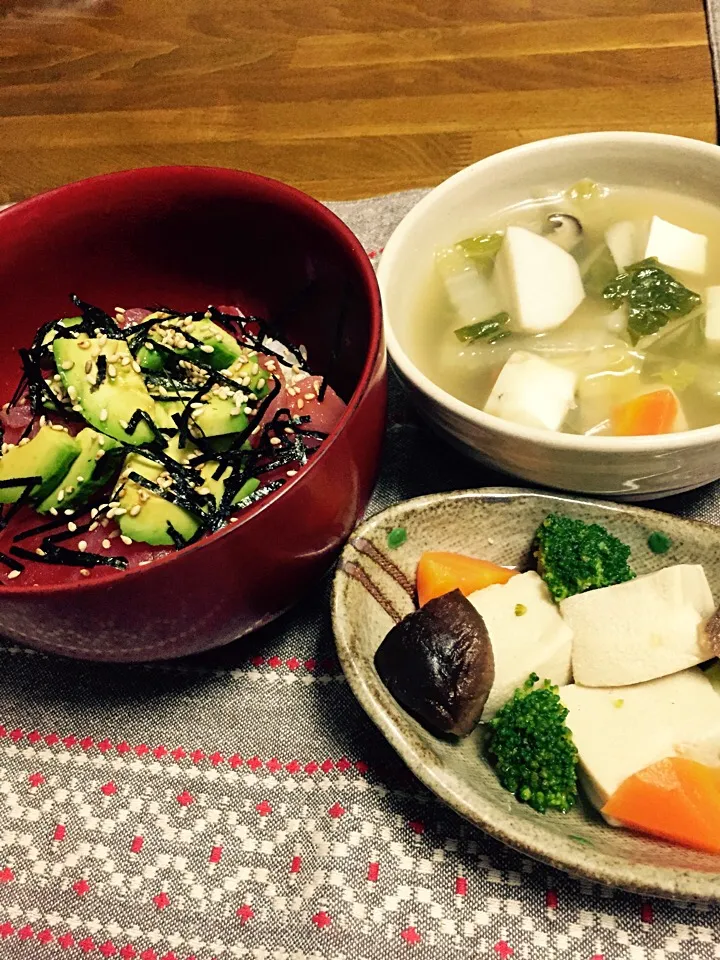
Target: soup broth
(673, 355)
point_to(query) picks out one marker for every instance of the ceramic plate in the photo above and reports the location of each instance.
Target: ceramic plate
(498, 524)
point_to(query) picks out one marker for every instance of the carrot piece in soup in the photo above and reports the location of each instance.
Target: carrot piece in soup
(676, 799)
(440, 572)
(649, 413)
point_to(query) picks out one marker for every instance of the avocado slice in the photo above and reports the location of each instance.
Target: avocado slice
(109, 405)
(68, 322)
(48, 455)
(96, 463)
(149, 524)
(170, 331)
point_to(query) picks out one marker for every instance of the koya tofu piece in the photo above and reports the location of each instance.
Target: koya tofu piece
(646, 628)
(541, 282)
(712, 316)
(538, 640)
(620, 730)
(532, 391)
(676, 247)
(626, 241)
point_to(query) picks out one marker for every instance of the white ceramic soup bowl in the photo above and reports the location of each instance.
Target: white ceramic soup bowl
(621, 467)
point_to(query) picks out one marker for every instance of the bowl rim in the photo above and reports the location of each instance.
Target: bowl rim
(664, 881)
(552, 440)
(308, 206)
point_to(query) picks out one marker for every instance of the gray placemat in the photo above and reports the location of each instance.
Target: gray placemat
(240, 804)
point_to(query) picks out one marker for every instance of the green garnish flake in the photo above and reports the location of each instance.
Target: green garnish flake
(520, 609)
(483, 248)
(397, 537)
(659, 542)
(618, 703)
(585, 190)
(651, 295)
(492, 330)
(579, 839)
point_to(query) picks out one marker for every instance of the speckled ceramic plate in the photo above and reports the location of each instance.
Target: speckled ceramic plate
(498, 524)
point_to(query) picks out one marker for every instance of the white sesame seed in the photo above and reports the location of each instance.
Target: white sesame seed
(53, 511)
(58, 427)
(93, 526)
(300, 404)
(292, 473)
(119, 309)
(84, 572)
(13, 574)
(60, 496)
(67, 364)
(136, 366)
(207, 348)
(124, 424)
(99, 454)
(72, 527)
(80, 480)
(103, 415)
(260, 384)
(24, 442)
(39, 552)
(106, 544)
(84, 344)
(134, 511)
(120, 511)
(112, 370)
(309, 396)
(82, 546)
(125, 361)
(275, 441)
(126, 540)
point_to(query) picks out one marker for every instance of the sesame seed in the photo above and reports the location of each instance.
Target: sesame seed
(93, 526)
(233, 519)
(68, 513)
(207, 348)
(292, 473)
(119, 309)
(80, 480)
(60, 496)
(300, 404)
(72, 527)
(68, 364)
(124, 424)
(82, 546)
(24, 442)
(126, 540)
(136, 366)
(260, 384)
(103, 415)
(53, 511)
(88, 366)
(101, 441)
(275, 441)
(39, 552)
(125, 361)
(112, 370)
(309, 396)
(106, 544)
(77, 407)
(120, 511)
(13, 574)
(134, 511)
(84, 572)
(70, 488)
(99, 454)
(58, 427)
(149, 346)
(84, 344)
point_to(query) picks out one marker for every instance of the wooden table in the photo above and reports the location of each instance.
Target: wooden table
(345, 98)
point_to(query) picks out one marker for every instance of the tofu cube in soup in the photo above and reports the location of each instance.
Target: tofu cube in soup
(642, 629)
(676, 247)
(626, 241)
(621, 730)
(527, 634)
(533, 392)
(712, 317)
(540, 282)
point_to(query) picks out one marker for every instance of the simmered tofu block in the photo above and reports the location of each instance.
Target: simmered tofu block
(532, 391)
(676, 247)
(645, 628)
(620, 730)
(526, 633)
(540, 281)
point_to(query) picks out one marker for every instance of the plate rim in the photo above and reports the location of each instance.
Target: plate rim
(664, 882)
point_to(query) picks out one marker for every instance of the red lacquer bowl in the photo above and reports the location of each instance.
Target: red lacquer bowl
(189, 236)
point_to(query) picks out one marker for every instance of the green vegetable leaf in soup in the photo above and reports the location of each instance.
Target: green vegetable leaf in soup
(652, 296)
(492, 330)
(482, 249)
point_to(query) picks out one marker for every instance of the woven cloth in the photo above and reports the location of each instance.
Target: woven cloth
(240, 804)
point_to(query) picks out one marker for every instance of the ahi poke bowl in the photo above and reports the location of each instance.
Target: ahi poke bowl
(192, 398)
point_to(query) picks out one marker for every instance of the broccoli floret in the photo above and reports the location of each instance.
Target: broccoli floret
(532, 749)
(574, 556)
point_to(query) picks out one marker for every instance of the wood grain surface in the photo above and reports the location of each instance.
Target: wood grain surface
(343, 99)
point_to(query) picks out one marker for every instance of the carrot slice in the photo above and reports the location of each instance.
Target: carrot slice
(649, 413)
(677, 799)
(440, 572)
